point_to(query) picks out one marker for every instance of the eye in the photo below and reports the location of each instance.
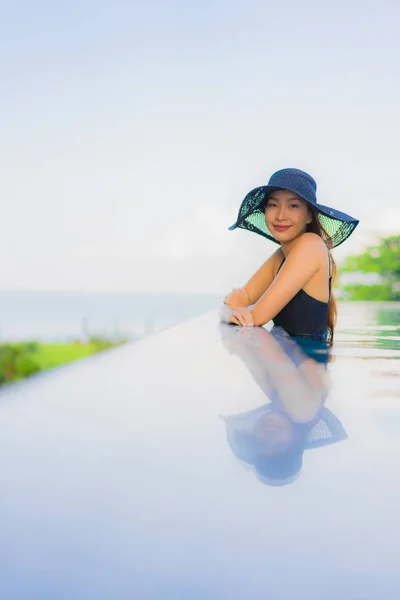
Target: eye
(294, 205)
(271, 203)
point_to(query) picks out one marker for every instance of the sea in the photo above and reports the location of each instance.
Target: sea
(67, 316)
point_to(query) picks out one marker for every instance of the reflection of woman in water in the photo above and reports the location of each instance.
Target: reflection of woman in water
(293, 287)
(273, 437)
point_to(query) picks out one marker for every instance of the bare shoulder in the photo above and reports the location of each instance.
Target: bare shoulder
(311, 242)
(309, 249)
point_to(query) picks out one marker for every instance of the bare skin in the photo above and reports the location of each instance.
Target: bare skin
(301, 387)
(306, 266)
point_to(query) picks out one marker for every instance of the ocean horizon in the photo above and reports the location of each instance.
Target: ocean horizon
(63, 316)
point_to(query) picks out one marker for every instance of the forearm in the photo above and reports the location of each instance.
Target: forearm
(260, 316)
(271, 303)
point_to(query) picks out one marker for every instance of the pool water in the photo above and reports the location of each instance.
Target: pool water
(127, 475)
(364, 327)
(366, 365)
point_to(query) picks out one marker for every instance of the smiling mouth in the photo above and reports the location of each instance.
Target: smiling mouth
(281, 227)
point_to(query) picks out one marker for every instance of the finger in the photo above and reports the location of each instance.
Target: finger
(241, 320)
(249, 319)
(241, 316)
(233, 320)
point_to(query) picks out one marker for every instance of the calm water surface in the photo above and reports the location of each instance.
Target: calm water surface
(130, 475)
(366, 327)
(366, 365)
(365, 379)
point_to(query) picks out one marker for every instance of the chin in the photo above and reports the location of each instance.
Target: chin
(286, 236)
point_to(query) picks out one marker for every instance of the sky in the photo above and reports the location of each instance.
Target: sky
(131, 131)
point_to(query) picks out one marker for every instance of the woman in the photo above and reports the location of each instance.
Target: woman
(293, 287)
(272, 438)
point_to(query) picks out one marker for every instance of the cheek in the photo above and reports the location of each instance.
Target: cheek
(268, 214)
(302, 217)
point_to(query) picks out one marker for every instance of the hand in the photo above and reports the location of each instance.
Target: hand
(241, 316)
(239, 340)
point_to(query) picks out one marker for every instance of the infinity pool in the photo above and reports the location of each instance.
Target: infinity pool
(145, 472)
(366, 371)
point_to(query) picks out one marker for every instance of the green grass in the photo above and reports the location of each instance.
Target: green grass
(23, 359)
(53, 355)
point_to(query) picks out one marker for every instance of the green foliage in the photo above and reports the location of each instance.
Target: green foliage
(15, 362)
(25, 366)
(382, 258)
(103, 343)
(52, 355)
(375, 292)
(22, 359)
(27, 347)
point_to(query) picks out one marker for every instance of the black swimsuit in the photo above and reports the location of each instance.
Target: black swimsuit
(304, 315)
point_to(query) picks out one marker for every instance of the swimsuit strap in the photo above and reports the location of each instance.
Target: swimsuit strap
(280, 266)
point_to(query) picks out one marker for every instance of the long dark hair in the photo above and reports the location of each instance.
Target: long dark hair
(316, 227)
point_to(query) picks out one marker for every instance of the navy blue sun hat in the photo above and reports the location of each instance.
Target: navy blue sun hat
(337, 226)
(324, 430)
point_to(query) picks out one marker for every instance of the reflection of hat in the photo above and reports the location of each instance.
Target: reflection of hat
(338, 225)
(326, 429)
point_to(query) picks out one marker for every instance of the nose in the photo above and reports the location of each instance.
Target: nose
(281, 213)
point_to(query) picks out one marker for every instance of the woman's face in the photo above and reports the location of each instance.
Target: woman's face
(274, 433)
(286, 215)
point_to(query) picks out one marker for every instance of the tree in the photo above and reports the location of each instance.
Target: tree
(382, 258)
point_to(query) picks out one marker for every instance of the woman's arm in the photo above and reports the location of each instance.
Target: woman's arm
(271, 365)
(237, 297)
(257, 284)
(304, 260)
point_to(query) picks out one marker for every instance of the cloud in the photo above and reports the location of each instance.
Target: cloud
(199, 234)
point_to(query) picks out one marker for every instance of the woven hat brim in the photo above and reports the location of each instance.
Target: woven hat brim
(337, 224)
(326, 430)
